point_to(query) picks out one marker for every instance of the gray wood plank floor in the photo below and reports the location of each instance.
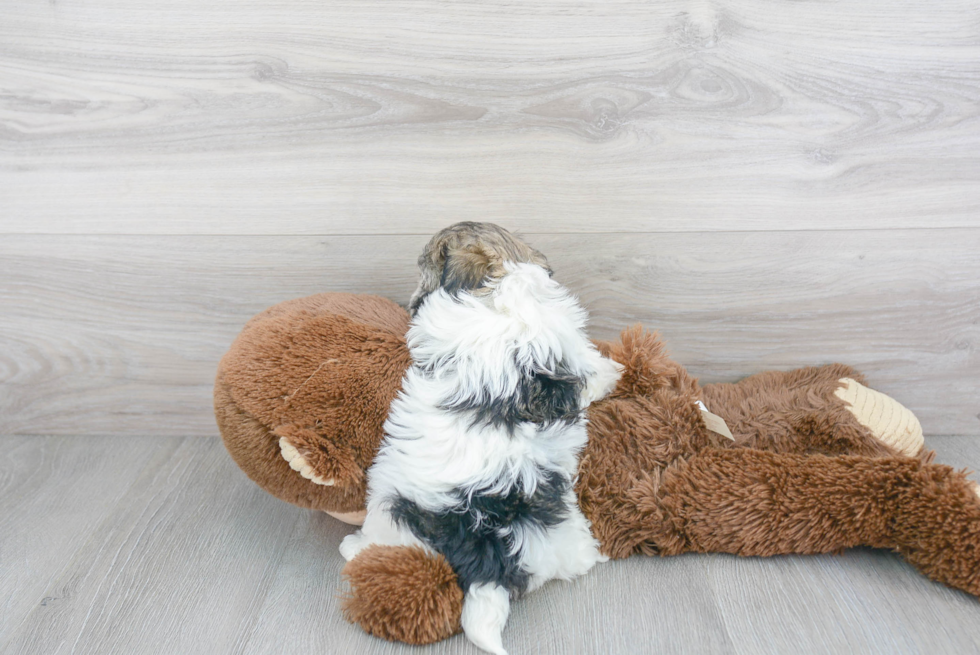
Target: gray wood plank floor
(161, 545)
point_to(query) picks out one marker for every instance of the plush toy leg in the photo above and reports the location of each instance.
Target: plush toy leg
(740, 501)
(803, 411)
(403, 593)
(753, 502)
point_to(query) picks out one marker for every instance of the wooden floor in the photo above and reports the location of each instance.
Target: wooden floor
(161, 545)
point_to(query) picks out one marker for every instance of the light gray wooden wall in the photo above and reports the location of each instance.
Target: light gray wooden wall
(769, 183)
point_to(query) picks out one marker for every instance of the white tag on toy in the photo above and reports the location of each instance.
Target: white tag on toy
(714, 422)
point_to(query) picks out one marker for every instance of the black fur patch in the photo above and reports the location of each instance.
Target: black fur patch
(541, 397)
(468, 535)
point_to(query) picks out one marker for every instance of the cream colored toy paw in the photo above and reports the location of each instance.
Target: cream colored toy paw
(888, 420)
(299, 464)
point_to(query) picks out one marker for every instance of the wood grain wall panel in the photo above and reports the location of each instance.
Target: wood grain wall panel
(121, 334)
(377, 117)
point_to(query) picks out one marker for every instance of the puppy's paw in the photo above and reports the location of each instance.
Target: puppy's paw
(352, 545)
(299, 464)
(602, 382)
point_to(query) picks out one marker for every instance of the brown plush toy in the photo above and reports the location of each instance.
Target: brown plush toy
(818, 463)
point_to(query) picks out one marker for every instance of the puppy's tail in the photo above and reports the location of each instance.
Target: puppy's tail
(485, 610)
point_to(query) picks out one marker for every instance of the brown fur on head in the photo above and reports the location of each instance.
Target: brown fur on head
(464, 256)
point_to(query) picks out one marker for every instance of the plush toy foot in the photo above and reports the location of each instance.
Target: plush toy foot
(299, 464)
(403, 593)
(937, 527)
(888, 420)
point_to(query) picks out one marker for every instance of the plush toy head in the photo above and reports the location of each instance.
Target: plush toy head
(316, 375)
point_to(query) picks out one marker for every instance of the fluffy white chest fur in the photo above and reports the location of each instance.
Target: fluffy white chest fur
(482, 444)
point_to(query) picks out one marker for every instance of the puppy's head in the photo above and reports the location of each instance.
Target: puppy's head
(466, 257)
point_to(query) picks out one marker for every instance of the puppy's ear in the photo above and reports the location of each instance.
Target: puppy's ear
(469, 268)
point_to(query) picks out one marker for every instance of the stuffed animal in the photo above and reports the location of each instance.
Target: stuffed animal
(817, 462)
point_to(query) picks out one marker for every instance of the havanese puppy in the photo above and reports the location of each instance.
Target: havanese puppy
(481, 445)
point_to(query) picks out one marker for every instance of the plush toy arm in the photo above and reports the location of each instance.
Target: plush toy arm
(825, 410)
(751, 502)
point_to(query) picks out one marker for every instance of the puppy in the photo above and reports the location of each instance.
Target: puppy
(481, 445)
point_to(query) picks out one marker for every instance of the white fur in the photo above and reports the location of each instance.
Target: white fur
(475, 348)
(485, 611)
(566, 551)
